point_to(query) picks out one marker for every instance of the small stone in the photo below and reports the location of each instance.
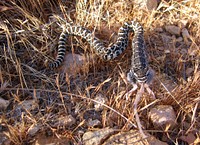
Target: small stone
(3, 104)
(167, 51)
(27, 105)
(189, 71)
(189, 138)
(165, 38)
(4, 85)
(159, 29)
(152, 4)
(132, 137)
(186, 35)
(95, 137)
(179, 39)
(160, 48)
(65, 121)
(174, 30)
(93, 123)
(73, 64)
(44, 139)
(160, 58)
(163, 116)
(33, 129)
(100, 100)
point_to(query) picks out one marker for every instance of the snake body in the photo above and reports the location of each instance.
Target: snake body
(139, 71)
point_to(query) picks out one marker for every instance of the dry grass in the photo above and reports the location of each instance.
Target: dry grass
(28, 35)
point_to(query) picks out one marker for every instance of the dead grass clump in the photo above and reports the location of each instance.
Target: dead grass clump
(29, 32)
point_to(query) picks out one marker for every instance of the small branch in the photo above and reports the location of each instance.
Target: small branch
(137, 99)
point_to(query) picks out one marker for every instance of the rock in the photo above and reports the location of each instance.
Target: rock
(100, 100)
(65, 121)
(73, 64)
(95, 137)
(189, 138)
(159, 29)
(26, 105)
(132, 137)
(174, 30)
(3, 104)
(189, 71)
(3, 85)
(93, 123)
(163, 116)
(33, 129)
(166, 38)
(161, 48)
(42, 139)
(152, 4)
(167, 51)
(186, 35)
(179, 39)
(167, 41)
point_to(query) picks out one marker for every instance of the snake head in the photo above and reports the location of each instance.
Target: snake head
(140, 77)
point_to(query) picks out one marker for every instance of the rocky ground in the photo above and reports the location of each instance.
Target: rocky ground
(83, 101)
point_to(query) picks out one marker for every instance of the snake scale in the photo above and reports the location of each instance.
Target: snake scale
(139, 71)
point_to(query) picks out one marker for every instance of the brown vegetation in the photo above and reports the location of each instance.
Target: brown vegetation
(29, 33)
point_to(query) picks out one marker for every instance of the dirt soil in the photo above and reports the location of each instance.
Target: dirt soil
(43, 106)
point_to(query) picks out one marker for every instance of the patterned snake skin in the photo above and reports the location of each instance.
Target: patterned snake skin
(139, 71)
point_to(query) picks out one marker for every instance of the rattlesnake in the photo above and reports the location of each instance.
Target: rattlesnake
(139, 71)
